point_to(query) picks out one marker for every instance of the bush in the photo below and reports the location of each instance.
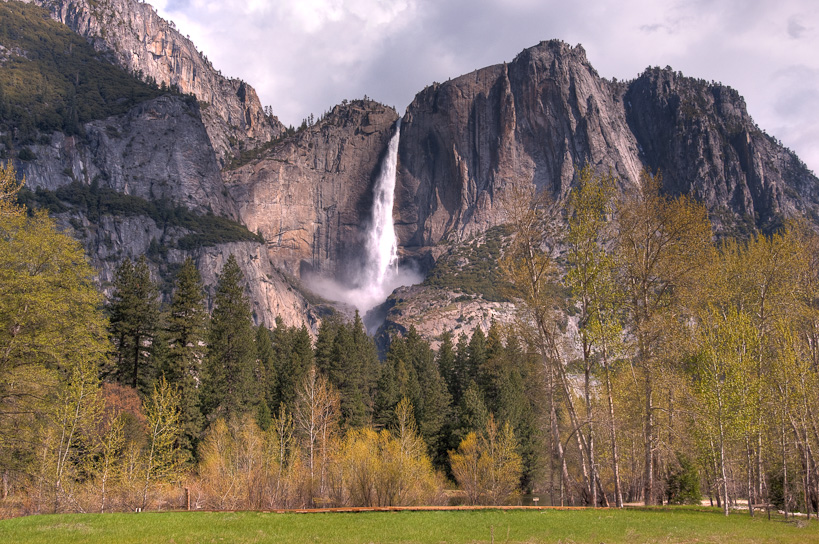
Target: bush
(26, 154)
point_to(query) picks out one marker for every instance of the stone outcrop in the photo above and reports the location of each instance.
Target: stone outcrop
(310, 196)
(699, 135)
(143, 43)
(536, 119)
(433, 311)
(113, 238)
(159, 150)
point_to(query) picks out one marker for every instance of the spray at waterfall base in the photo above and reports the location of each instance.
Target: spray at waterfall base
(379, 273)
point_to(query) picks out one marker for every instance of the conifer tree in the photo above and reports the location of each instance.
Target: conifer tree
(230, 382)
(266, 356)
(459, 377)
(294, 354)
(476, 356)
(134, 317)
(186, 329)
(445, 359)
(367, 353)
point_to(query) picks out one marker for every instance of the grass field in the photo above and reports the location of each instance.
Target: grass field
(665, 525)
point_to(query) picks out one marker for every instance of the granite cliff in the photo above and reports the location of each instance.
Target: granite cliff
(143, 43)
(156, 160)
(537, 118)
(310, 195)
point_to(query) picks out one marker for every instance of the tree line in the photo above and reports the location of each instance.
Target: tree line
(649, 363)
(690, 361)
(120, 404)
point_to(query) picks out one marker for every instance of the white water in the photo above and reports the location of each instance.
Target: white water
(382, 248)
(379, 274)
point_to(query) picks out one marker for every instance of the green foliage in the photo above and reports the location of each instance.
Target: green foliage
(52, 343)
(683, 483)
(294, 356)
(187, 321)
(134, 316)
(348, 357)
(95, 201)
(232, 372)
(410, 372)
(246, 156)
(473, 268)
(53, 80)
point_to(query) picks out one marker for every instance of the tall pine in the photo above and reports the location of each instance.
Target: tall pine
(134, 316)
(186, 326)
(230, 384)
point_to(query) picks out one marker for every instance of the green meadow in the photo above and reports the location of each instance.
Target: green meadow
(666, 525)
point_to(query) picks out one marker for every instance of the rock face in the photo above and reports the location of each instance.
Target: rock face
(433, 311)
(145, 44)
(463, 144)
(157, 151)
(537, 118)
(701, 138)
(111, 239)
(531, 121)
(310, 196)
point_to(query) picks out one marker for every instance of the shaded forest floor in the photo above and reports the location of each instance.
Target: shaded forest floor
(661, 524)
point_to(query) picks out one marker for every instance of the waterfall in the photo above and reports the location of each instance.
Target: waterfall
(382, 248)
(378, 271)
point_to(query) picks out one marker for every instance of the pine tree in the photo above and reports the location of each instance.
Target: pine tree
(367, 352)
(445, 358)
(460, 371)
(472, 412)
(344, 371)
(230, 383)
(476, 357)
(186, 329)
(294, 354)
(134, 316)
(324, 343)
(266, 356)
(348, 357)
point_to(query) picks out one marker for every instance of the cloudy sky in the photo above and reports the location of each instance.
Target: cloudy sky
(304, 56)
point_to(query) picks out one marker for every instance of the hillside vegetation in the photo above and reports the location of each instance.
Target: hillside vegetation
(52, 79)
(93, 201)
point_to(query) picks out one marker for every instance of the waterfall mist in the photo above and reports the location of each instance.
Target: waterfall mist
(378, 272)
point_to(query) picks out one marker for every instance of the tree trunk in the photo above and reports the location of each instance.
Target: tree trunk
(615, 457)
(648, 483)
(722, 468)
(749, 455)
(589, 419)
(785, 491)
